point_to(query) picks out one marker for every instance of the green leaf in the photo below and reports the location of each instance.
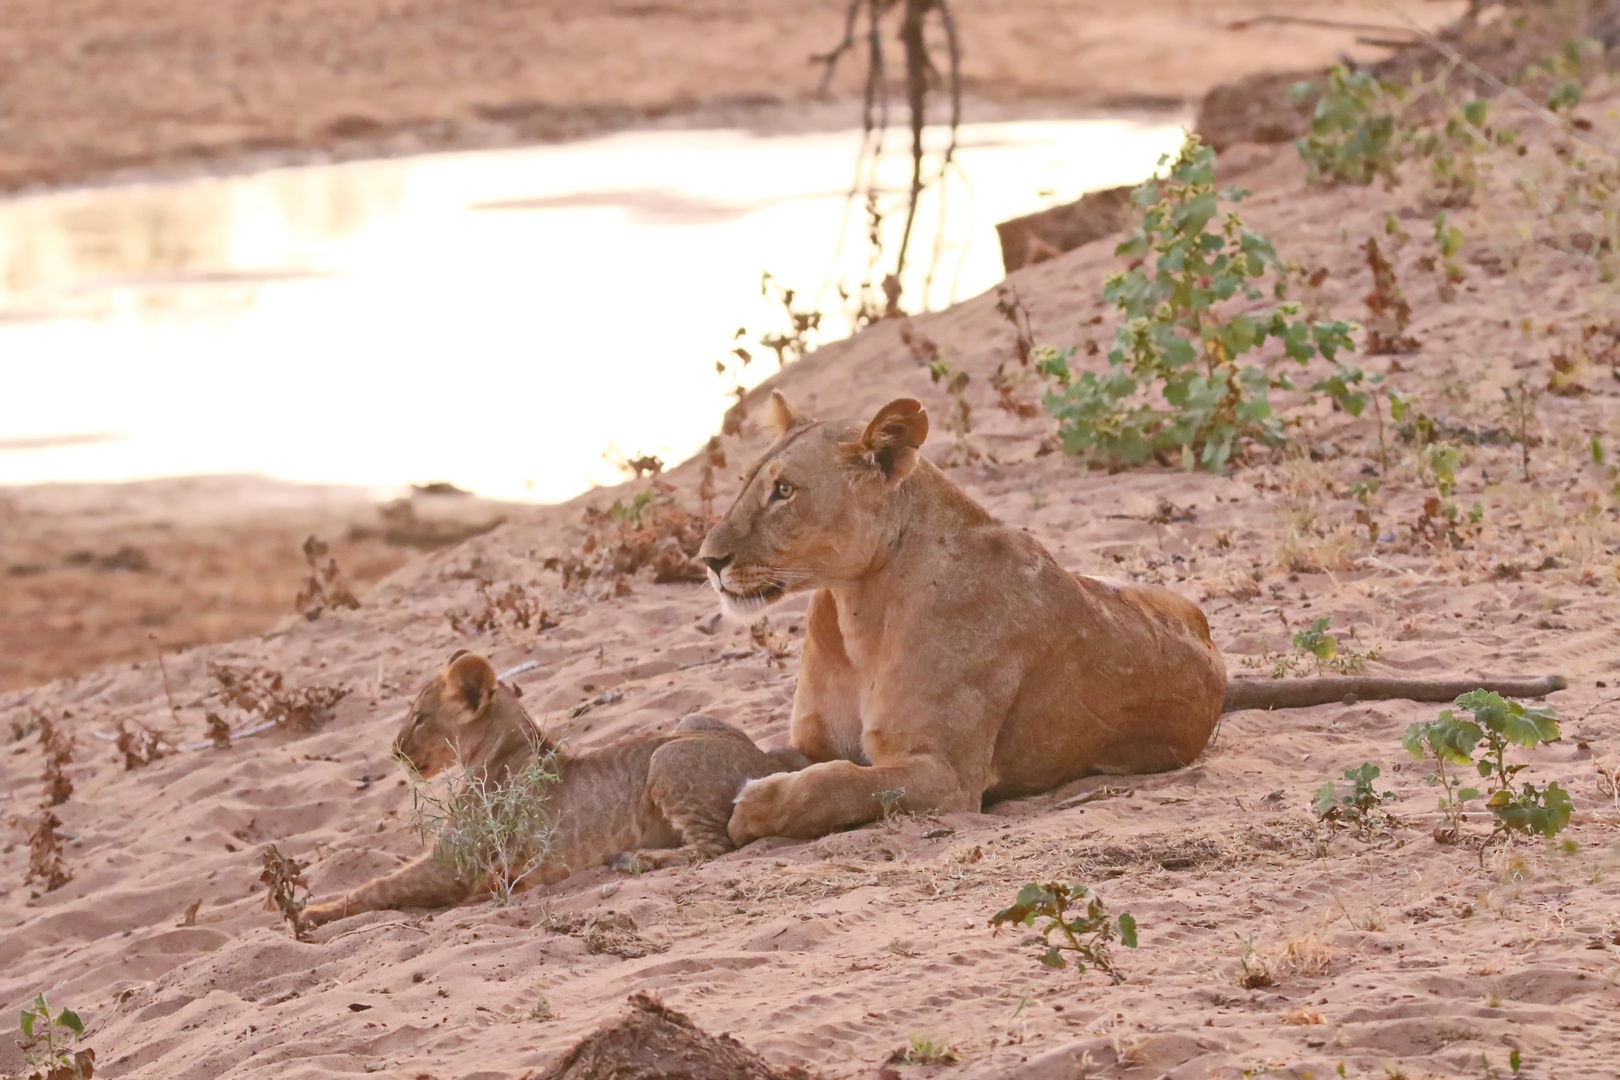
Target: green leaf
(1127, 930)
(70, 1019)
(1326, 800)
(1052, 958)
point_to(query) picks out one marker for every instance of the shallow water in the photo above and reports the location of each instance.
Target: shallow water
(509, 321)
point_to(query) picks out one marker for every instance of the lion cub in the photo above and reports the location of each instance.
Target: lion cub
(665, 798)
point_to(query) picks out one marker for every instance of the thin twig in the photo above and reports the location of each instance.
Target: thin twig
(174, 710)
(1302, 20)
(830, 58)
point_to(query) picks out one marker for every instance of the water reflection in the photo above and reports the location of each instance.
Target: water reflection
(495, 319)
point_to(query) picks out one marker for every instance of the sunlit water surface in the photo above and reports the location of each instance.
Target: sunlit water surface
(508, 321)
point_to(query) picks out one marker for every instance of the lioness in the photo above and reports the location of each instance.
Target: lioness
(667, 795)
(949, 657)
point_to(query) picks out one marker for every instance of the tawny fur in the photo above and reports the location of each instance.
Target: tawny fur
(660, 800)
(948, 656)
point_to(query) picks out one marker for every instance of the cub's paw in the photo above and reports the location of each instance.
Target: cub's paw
(628, 862)
(761, 809)
(321, 914)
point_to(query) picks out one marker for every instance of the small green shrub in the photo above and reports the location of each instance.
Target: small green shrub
(1497, 724)
(1355, 135)
(1456, 152)
(1316, 648)
(46, 1043)
(1176, 346)
(925, 1050)
(1086, 936)
(1361, 808)
(492, 830)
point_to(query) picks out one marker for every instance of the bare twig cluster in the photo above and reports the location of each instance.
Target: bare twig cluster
(139, 747)
(282, 877)
(514, 608)
(651, 531)
(265, 693)
(57, 746)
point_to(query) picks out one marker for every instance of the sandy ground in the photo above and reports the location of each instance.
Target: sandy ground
(94, 90)
(94, 574)
(1394, 956)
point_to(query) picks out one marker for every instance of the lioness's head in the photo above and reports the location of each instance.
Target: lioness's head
(464, 715)
(814, 510)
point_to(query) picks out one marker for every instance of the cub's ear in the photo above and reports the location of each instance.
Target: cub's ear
(781, 417)
(893, 436)
(471, 679)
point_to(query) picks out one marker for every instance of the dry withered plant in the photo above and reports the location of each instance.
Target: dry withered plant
(651, 531)
(1388, 313)
(264, 693)
(57, 746)
(282, 878)
(139, 747)
(326, 586)
(219, 732)
(45, 853)
(514, 608)
(776, 645)
(1019, 389)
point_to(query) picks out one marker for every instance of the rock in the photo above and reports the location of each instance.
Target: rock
(1255, 109)
(1035, 238)
(657, 1043)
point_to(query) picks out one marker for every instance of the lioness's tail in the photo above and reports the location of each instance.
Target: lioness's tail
(1301, 693)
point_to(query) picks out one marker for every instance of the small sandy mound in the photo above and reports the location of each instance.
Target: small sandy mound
(655, 1043)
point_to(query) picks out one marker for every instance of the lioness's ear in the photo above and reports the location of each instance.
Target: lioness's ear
(471, 678)
(893, 436)
(781, 417)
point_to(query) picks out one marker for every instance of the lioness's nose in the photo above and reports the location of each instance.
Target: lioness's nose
(717, 563)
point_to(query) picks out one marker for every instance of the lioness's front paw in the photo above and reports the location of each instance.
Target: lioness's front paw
(760, 808)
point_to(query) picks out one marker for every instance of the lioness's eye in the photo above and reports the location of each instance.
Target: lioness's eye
(421, 718)
(782, 490)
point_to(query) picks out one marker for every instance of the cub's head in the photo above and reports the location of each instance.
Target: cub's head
(464, 715)
(815, 510)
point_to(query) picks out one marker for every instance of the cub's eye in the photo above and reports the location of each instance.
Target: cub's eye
(421, 718)
(782, 490)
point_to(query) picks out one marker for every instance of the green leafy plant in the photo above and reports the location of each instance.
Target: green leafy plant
(1363, 491)
(1360, 808)
(47, 1041)
(1316, 648)
(1355, 134)
(1175, 345)
(1086, 935)
(1519, 404)
(1456, 152)
(1448, 241)
(1498, 724)
(491, 829)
